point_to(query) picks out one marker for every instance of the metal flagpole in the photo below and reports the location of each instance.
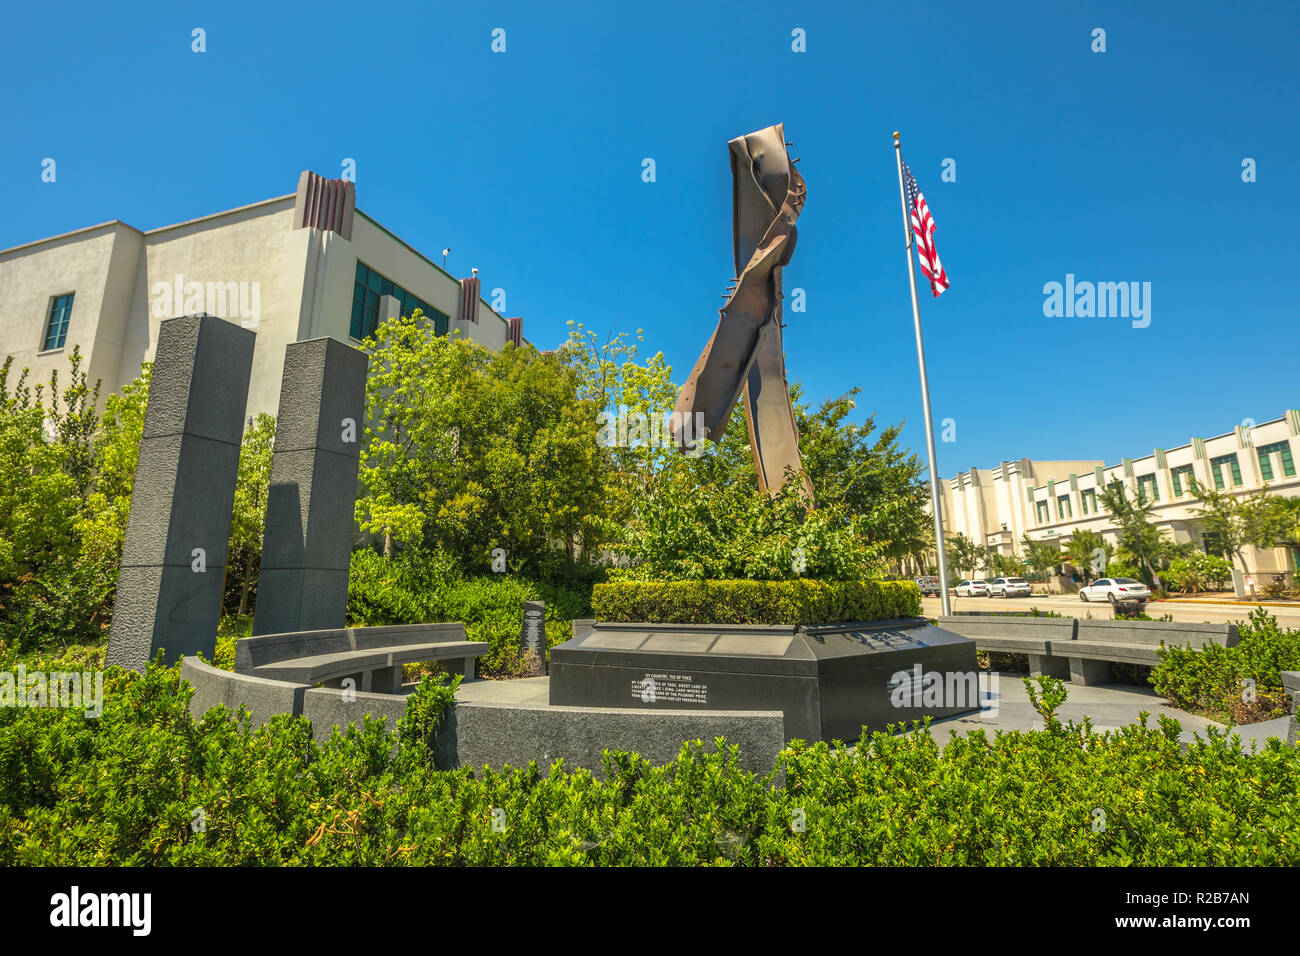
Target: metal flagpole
(935, 499)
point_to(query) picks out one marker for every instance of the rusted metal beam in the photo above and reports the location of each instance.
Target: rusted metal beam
(744, 356)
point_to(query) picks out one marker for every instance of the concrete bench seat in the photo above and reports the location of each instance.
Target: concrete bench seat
(1082, 651)
(320, 668)
(371, 656)
(1098, 644)
(1144, 654)
(1004, 634)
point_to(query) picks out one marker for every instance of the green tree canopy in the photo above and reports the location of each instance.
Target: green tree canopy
(470, 450)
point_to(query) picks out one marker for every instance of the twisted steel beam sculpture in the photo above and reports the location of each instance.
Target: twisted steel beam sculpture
(744, 355)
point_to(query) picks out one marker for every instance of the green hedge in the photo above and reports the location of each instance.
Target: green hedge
(126, 789)
(755, 602)
(416, 587)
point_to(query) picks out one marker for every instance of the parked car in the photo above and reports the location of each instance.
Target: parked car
(1010, 587)
(1116, 590)
(929, 586)
(973, 589)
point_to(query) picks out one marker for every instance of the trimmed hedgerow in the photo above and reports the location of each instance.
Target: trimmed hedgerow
(145, 784)
(755, 602)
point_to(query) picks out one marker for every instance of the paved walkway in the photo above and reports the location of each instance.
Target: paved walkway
(1110, 706)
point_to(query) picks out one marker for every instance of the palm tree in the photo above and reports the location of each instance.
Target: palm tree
(1132, 519)
(1089, 552)
(1042, 556)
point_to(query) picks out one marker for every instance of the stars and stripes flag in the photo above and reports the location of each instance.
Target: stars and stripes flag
(923, 228)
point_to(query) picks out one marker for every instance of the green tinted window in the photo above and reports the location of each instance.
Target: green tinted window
(56, 327)
(1216, 466)
(1283, 450)
(366, 292)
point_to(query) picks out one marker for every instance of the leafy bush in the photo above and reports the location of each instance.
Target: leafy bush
(1118, 569)
(1198, 572)
(688, 530)
(414, 587)
(1241, 684)
(130, 788)
(755, 602)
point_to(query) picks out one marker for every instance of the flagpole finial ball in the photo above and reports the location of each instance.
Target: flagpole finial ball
(895, 134)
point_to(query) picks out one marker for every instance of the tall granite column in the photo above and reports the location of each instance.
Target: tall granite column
(303, 584)
(178, 529)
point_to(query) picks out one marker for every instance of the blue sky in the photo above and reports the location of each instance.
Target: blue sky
(1117, 166)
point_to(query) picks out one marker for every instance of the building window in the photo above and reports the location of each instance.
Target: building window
(1063, 508)
(1180, 474)
(56, 329)
(1212, 543)
(1042, 512)
(1147, 487)
(366, 292)
(1283, 450)
(1088, 499)
(1216, 466)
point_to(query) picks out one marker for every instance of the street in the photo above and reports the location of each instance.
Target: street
(1070, 606)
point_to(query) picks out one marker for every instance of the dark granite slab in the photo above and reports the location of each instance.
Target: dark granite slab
(828, 681)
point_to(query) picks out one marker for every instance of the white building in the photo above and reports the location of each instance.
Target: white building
(299, 266)
(1048, 500)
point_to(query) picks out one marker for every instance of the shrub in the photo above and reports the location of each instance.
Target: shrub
(1241, 684)
(755, 602)
(414, 587)
(1118, 569)
(1198, 572)
(128, 787)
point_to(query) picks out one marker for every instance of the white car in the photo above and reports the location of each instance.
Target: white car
(1115, 590)
(1010, 587)
(973, 589)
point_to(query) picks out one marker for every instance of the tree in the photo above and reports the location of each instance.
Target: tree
(50, 591)
(1043, 556)
(964, 555)
(1089, 552)
(1132, 521)
(470, 450)
(249, 517)
(1260, 520)
(117, 452)
(998, 565)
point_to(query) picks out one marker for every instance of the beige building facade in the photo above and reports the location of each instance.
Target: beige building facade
(299, 266)
(1049, 500)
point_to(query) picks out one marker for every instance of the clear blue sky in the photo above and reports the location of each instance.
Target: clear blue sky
(1115, 166)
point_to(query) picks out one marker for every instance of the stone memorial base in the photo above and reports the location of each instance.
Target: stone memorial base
(828, 682)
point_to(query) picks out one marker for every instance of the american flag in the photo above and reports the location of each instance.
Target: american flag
(923, 226)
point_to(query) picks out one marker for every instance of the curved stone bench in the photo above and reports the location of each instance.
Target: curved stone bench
(1033, 636)
(1082, 651)
(1098, 644)
(479, 733)
(370, 656)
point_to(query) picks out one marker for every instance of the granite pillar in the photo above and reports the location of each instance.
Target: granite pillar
(303, 582)
(177, 532)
